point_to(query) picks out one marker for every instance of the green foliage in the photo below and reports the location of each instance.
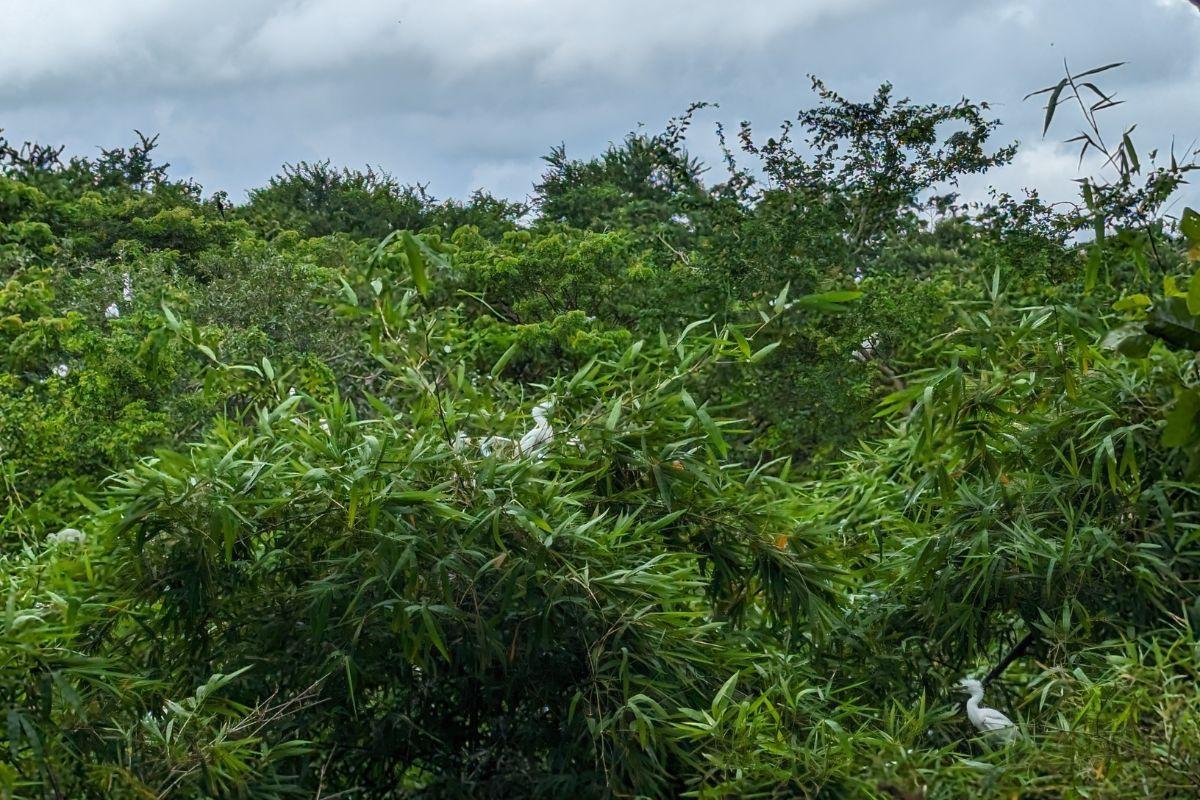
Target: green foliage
(661, 488)
(317, 199)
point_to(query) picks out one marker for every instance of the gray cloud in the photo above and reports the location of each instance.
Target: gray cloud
(469, 93)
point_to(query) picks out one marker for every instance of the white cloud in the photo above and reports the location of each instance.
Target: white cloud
(466, 93)
(318, 34)
(508, 177)
(156, 42)
(1050, 167)
(619, 36)
(106, 41)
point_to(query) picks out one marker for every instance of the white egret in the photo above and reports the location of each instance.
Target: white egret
(986, 720)
(868, 349)
(489, 444)
(540, 435)
(113, 311)
(531, 443)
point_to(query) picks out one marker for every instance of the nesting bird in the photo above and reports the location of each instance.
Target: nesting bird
(531, 443)
(540, 435)
(986, 720)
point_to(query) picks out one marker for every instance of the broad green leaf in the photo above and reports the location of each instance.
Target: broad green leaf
(778, 304)
(507, 356)
(1130, 151)
(1129, 340)
(1133, 302)
(1189, 225)
(172, 321)
(1181, 419)
(764, 352)
(1174, 324)
(832, 302)
(1091, 272)
(723, 694)
(614, 414)
(742, 344)
(348, 292)
(416, 262)
(1052, 105)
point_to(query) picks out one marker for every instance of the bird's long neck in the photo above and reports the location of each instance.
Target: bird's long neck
(973, 701)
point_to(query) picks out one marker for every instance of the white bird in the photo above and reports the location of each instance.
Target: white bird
(67, 535)
(986, 720)
(531, 443)
(540, 435)
(491, 444)
(868, 349)
(113, 311)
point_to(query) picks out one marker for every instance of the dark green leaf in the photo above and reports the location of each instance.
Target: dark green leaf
(1174, 324)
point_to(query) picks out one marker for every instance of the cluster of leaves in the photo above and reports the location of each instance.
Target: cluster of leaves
(823, 441)
(316, 199)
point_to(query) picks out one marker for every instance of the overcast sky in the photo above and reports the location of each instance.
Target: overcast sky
(470, 93)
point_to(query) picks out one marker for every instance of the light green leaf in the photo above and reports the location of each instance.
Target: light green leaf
(416, 262)
(1180, 419)
(764, 352)
(1193, 295)
(614, 415)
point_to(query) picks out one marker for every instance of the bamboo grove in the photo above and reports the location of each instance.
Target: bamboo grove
(672, 481)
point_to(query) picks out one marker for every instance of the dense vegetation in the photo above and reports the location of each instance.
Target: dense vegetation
(278, 519)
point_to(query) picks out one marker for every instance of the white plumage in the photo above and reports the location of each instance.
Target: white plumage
(868, 349)
(67, 536)
(540, 435)
(492, 444)
(531, 443)
(986, 720)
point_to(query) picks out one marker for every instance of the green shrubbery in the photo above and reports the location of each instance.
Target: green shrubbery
(823, 442)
